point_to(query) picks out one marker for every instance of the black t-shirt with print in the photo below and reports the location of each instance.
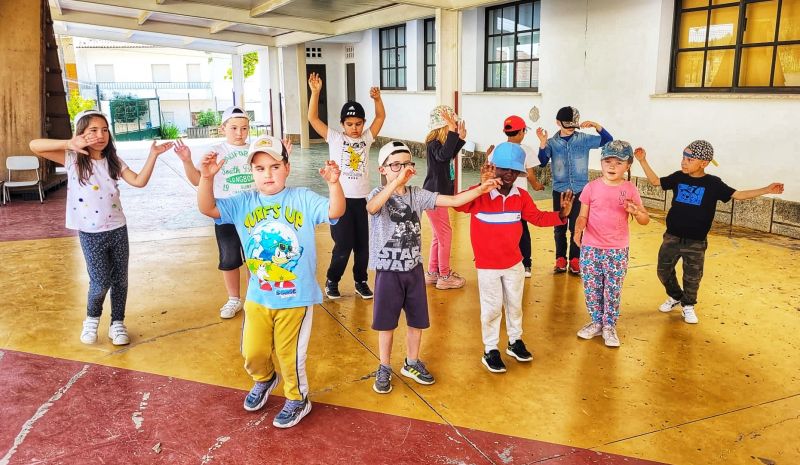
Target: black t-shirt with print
(694, 203)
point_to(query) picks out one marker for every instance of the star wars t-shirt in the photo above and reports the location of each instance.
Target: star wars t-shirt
(396, 241)
(277, 235)
(352, 156)
(694, 203)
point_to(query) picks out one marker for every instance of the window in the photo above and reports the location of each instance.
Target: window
(512, 46)
(193, 73)
(393, 57)
(736, 46)
(430, 54)
(160, 73)
(313, 52)
(104, 73)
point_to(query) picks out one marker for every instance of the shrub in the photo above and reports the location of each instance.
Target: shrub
(77, 104)
(127, 108)
(170, 131)
(208, 118)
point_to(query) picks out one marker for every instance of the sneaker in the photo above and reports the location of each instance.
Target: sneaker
(454, 281)
(292, 412)
(493, 362)
(610, 336)
(591, 330)
(257, 397)
(362, 289)
(689, 315)
(527, 272)
(519, 351)
(668, 305)
(89, 331)
(575, 266)
(383, 380)
(431, 278)
(332, 289)
(561, 265)
(118, 334)
(231, 308)
(417, 372)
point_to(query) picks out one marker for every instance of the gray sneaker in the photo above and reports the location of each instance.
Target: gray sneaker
(257, 397)
(383, 380)
(292, 412)
(417, 372)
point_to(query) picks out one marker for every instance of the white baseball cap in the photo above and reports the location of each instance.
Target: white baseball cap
(269, 145)
(390, 149)
(234, 112)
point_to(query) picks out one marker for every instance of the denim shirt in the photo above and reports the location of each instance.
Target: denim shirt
(570, 167)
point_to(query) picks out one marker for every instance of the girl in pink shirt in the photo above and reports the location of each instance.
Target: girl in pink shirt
(602, 234)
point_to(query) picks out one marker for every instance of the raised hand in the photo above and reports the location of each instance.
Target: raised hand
(79, 142)
(542, 135)
(566, 204)
(209, 166)
(462, 130)
(287, 144)
(375, 93)
(590, 124)
(450, 119)
(182, 151)
(775, 188)
(640, 154)
(158, 149)
(490, 185)
(315, 82)
(330, 172)
(405, 175)
(488, 169)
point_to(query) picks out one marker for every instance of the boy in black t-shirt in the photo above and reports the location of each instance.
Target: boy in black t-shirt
(694, 203)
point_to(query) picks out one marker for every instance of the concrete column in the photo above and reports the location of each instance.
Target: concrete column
(303, 95)
(275, 88)
(263, 85)
(291, 91)
(448, 54)
(238, 80)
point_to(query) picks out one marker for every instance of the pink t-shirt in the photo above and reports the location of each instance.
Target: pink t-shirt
(607, 227)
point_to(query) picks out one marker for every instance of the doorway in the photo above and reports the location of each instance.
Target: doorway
(323, 98)
(350, 73)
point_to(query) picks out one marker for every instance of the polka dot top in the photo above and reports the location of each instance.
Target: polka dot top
(95, 205)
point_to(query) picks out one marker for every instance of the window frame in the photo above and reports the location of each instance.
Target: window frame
(737, 48)
(487, 36)
(397, 69)
(429, 61)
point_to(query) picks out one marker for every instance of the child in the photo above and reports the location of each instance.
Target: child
(235, 177)
(395, 255)
(443, 143)
(350, 150)
(602, 234)
(694, 203)
(569, 150)
(495, 231)
(276, 226)
(95, 210)
(515, 129)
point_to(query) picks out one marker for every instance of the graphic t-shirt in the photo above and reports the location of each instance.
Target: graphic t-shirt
(352, 156)
(277, 235)
(694, 203)
(607, 227)
(396, 241)
(235, 175)
(531, 160)
(94, 206)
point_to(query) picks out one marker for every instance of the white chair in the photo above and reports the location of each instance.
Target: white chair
(468, 154)
(22, 163)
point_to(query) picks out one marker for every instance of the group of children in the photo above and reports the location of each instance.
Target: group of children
(269, 227)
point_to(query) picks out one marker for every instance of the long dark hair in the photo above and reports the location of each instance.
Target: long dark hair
(109, 152)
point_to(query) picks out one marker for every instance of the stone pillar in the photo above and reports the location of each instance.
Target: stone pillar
(278, 123)
(303, 95)
(237, 73)
(448, 54)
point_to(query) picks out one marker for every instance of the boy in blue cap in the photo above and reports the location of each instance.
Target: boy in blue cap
(495, 231)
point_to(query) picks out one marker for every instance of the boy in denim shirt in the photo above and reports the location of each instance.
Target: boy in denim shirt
(569, 150)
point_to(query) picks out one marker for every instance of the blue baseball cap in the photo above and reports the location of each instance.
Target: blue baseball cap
(509, 156)
(617, 149)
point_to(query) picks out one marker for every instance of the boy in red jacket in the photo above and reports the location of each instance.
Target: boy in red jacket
(495, 231)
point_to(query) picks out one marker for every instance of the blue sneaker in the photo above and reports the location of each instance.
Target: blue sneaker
(257, 397)
(292, 412)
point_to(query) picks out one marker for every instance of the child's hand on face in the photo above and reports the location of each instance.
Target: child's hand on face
(375, 93)
(542, 135)
(330, 172)
(158, 149)
(79, 142)
(287, 144)
(490, 185)
(209, 166)
(314, 82)
(775, 188)
(182, 151)
(566, 204)
(488, 169)
(405, 175)
(452, 125)
(640, 154)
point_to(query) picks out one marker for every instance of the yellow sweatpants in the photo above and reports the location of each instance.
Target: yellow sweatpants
(287, 331)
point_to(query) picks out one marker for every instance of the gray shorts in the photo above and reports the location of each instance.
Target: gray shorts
(396, 290)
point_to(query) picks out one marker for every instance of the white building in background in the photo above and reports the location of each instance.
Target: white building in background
(189, 81)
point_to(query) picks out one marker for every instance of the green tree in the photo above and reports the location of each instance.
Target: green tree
(77, 104)
(127, 108)
(249, 62)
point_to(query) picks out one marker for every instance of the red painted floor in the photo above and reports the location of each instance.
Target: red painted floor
(64, 412)
(28, 219)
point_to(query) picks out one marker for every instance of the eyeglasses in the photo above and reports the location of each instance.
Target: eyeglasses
(397, 166)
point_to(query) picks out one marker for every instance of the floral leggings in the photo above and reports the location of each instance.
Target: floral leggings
(603, 271)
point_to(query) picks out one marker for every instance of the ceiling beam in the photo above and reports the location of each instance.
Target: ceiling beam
(395, 14)
(222, 13)
(266, 7)
(444, 4)
(294, 38)
(144, 16)
(122, 22)
(56, 4)
(220, 26)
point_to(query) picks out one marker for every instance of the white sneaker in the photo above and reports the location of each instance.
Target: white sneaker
(668, 305)
(89, 332)
(118, 334)
(231, 308)
(610, 336)
(689, 315)
(591, 330)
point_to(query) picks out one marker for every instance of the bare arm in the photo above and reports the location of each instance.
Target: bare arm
(774, 188)
(206, 203)
(638, 212)
(468, 195)
(141, 178)
(185, 155)
(641, 155)
(535, 184)
(380, 112)
(330, 173)
(580, 224)
(377, 202)
(55, 149)
(315, 84)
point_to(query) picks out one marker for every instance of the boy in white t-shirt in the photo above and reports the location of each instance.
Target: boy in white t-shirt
(350, 150)
(235, 177)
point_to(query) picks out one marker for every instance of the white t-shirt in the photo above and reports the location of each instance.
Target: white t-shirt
(235, 175)
(94, 206)
(352, 156)
(531, 160)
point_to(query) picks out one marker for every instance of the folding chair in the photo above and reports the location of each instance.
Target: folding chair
(468, 154)
(22, 163)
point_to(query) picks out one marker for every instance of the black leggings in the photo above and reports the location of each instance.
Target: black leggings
(350, 234)
(106, 255)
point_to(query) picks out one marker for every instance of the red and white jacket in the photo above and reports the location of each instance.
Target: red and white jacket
(495, 227)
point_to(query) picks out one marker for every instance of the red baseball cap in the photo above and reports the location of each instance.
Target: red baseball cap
(513, 123)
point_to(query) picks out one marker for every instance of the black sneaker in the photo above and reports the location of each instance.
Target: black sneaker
(362, 289)
(493, 362)
(519, 352)
(332, 289)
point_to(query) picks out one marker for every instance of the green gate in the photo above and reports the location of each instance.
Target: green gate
(135, 118)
